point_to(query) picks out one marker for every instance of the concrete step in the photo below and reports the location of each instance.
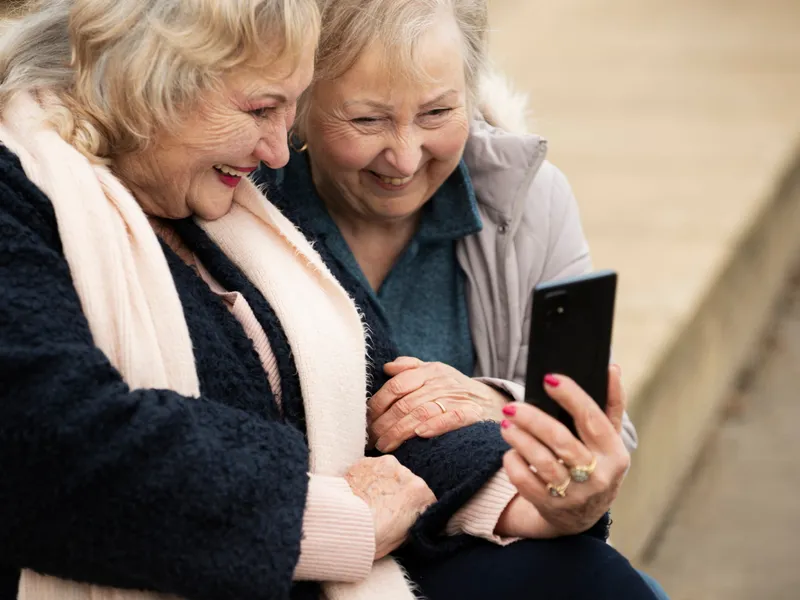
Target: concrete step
(677, 124)
(733, 533)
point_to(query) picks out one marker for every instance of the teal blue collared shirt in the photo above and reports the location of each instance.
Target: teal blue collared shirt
(423, 298)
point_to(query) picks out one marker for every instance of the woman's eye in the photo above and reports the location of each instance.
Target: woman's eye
(367, 120)
(438, 112)
(261, 113)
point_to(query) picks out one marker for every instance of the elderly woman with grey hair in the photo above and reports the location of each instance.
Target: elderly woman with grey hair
(444, 222)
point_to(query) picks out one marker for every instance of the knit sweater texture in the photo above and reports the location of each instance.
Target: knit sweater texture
(202, 497)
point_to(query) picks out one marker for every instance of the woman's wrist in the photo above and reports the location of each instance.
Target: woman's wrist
(602, 529)
(491, 399)
(338, 541)
(521, 519)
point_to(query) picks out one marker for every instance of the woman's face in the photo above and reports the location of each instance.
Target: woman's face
(233, 129)
(381, 147)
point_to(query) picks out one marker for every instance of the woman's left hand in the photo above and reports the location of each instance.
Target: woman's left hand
(545, 453)
(426, 400)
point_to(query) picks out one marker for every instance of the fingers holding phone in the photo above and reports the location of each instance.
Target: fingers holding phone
(568, 458)
(594, 427)
(572, 480)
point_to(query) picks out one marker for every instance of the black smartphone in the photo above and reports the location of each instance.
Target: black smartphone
(571, 326)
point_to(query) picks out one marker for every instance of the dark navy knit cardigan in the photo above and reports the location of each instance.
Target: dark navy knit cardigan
(203, 497)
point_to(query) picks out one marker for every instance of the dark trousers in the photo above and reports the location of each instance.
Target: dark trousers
(573, 568)
(9, 581)
(570, 568)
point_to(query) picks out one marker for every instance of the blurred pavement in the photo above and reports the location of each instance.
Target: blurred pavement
(736, 532)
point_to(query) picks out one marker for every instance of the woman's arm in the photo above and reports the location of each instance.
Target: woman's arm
(129, 488)
(339, 542)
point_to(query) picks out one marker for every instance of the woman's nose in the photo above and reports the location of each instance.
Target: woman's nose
(405, 155)
(273, 147)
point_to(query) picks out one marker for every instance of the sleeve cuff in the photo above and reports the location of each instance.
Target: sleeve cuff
(629, 435)
(338, 533)
(480, 515)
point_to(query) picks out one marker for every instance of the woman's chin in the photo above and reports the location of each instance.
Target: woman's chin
(399, 209)
(212, 209)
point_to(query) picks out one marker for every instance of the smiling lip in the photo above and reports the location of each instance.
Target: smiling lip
(390, 187)
(230, 179)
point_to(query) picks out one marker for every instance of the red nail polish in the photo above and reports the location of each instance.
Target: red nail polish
(505, 424)
(551, 380)
(510, 410)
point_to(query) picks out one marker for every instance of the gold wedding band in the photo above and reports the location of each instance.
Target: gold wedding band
(440, 405)
(581, 474)
(559, 491)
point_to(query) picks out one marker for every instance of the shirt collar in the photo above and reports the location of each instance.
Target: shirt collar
(301, 198)
(452, 213)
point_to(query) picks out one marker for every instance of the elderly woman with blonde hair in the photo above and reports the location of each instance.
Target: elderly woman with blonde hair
(409, 171)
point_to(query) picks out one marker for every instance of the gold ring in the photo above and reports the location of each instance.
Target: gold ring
(440, 405)
(559, 491)
(582, 474)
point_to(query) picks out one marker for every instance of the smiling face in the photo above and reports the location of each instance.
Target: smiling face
(196, 169)
(380, 146)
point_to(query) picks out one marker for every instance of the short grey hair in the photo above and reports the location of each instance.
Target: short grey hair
(350, 26)
(124, 69)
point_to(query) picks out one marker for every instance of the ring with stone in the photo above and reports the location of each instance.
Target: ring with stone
(559, 491)
(581, 474)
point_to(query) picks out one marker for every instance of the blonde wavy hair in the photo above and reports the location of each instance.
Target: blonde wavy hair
(121, 70)
(349, 27)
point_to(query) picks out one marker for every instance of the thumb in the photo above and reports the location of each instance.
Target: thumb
(617, 400)
(400, 364)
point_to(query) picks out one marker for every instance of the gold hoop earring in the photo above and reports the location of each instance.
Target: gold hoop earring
(291, 142)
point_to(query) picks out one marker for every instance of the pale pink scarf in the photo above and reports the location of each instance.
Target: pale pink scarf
(129, 298)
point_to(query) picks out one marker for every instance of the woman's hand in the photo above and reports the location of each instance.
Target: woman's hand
(544, 451)
(521, 519)
(426, 400)
(394, 494)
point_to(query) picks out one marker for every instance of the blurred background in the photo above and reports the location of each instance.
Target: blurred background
(678, 125)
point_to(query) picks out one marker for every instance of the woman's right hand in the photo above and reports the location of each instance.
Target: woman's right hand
(544, 453)
(394, 494)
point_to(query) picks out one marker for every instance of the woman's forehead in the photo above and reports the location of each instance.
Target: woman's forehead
(435, 66)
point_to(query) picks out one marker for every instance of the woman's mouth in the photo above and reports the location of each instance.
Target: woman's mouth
(231, 176)
(391, 183)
